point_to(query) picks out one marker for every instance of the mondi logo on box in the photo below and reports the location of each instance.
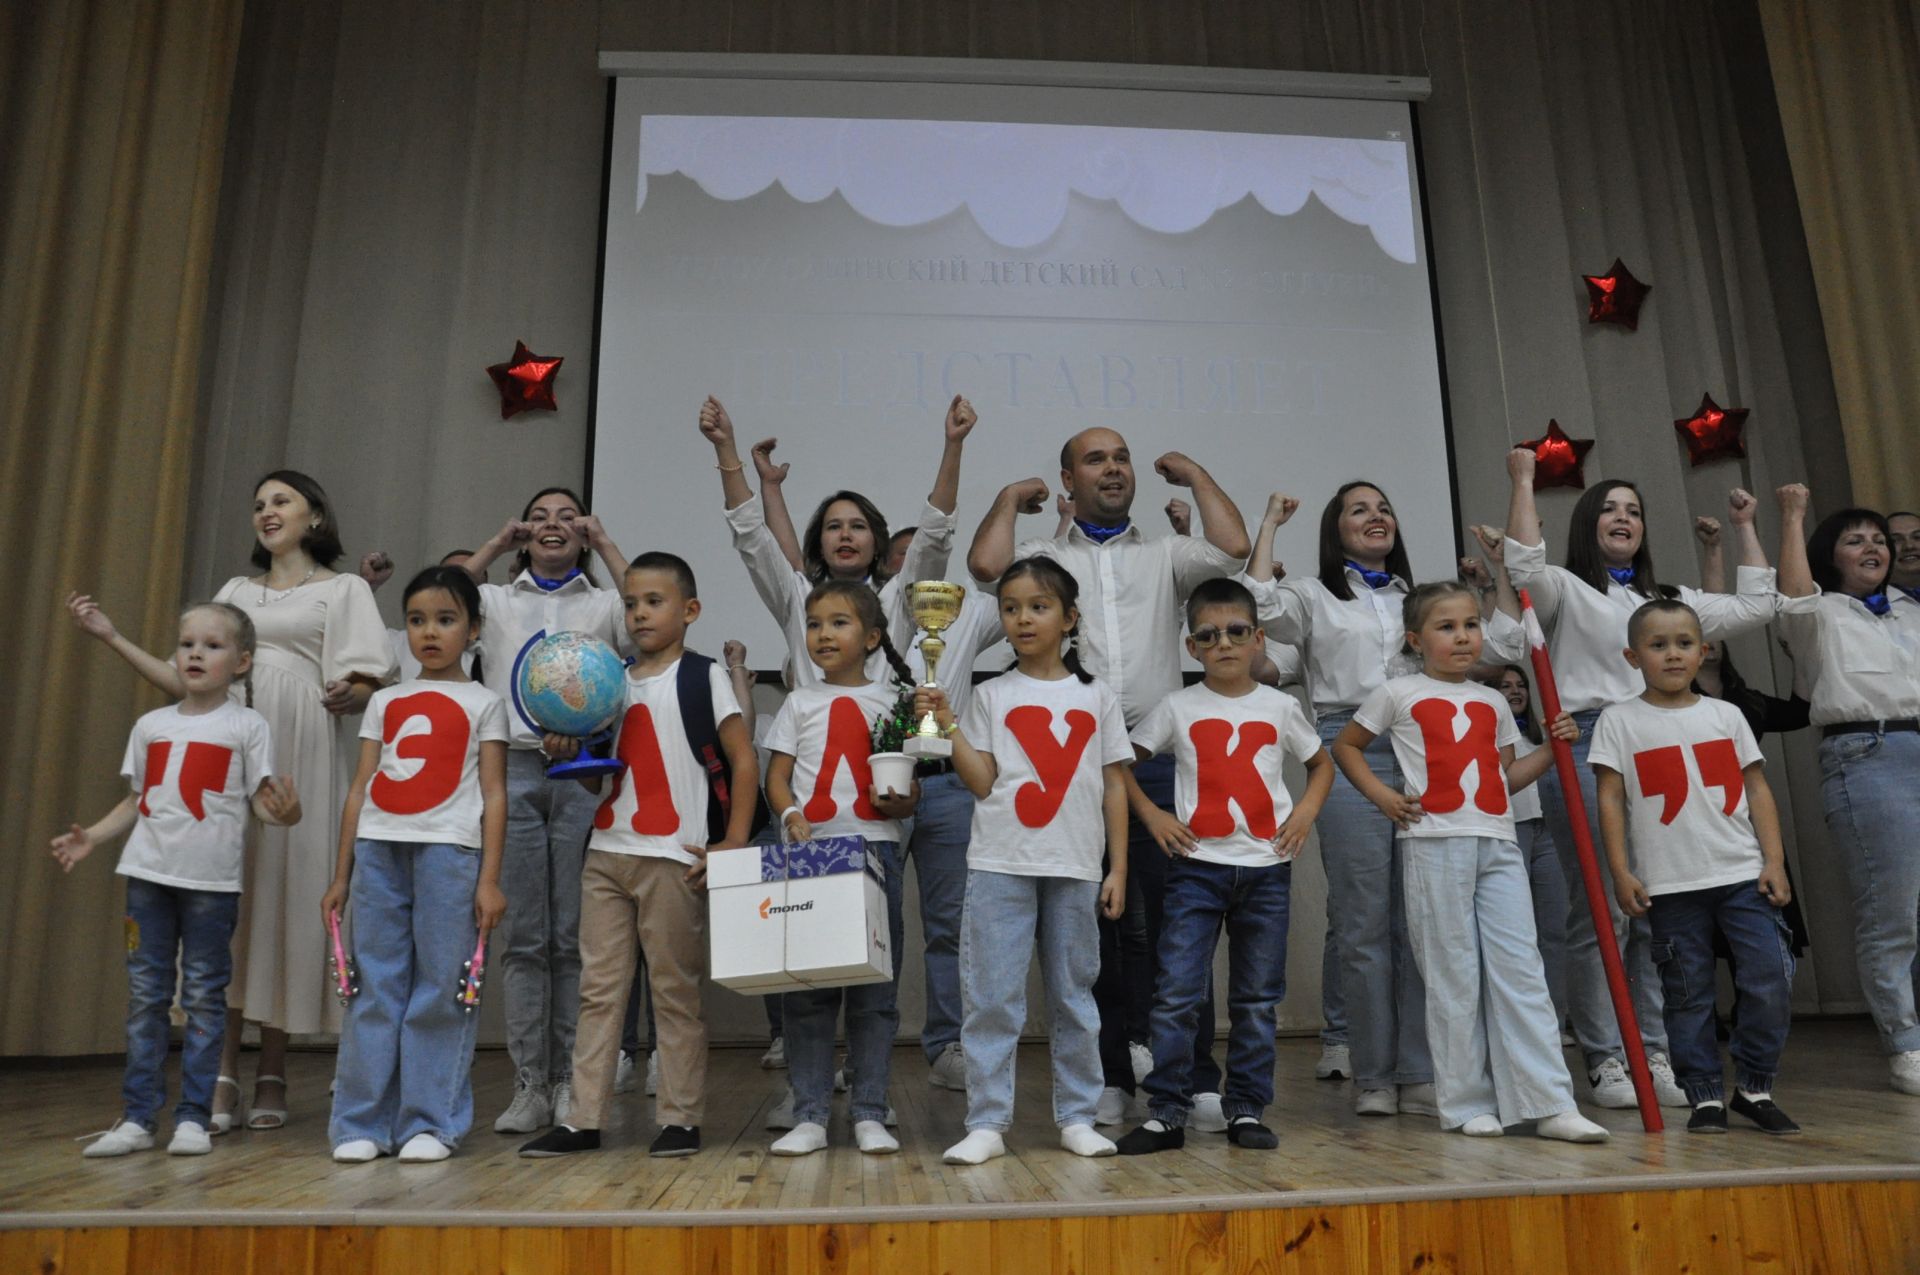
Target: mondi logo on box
(767, 908)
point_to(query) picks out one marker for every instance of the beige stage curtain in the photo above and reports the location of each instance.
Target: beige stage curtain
(1848, 80)
(115, 121)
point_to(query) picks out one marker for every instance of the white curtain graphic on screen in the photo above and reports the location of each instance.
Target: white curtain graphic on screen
(1015, 179)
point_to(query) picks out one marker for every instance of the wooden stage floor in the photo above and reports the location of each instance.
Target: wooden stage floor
(1857, 1130)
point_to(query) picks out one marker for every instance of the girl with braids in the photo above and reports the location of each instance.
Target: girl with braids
(820, 781)
(1044, 750)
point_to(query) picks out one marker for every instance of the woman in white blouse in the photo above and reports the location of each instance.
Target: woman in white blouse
(1584, 607)
(1858, 641)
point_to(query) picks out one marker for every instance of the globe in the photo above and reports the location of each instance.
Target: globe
(571, 684)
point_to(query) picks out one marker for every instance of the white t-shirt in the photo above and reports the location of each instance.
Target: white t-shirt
(1228, 755)
(428, 786)
(513, 613)
(195, 774)
(657, 806)
(1447, 737)
(828, 731)
(1044, 816)
(1687, 821)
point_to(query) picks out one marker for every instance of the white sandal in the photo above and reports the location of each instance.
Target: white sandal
(222, 1121)
(268, 1117)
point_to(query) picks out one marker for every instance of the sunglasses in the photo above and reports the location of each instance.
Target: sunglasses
(1236, 634)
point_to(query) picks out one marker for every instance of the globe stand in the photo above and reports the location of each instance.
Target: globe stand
(591, 762)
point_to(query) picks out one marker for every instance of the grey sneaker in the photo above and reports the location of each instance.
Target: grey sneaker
(1612, 1087)
(623, 1073)
(562, 1101)
(1336, 1063)
(1666, 1089)
(1141, 1059)
(776, 1056)
(781, 1117)
(531, 1109)
(949, 1069)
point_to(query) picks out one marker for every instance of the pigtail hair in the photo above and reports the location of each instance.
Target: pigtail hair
(247, 681)
(902, 672)
(1071, 656)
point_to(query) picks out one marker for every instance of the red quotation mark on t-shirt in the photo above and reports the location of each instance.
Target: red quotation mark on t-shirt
(849, 741)
(202, 770)
(1230, 775)
(639, 749)
(1662, 773)
(441, 750)
(1053, 762)
(1448, 757)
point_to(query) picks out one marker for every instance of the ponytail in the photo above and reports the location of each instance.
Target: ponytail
(902, 673)
(1071, 656)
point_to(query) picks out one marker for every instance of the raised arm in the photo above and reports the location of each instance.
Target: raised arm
(94, 622)
(1523, 516)
(1741, 507)
(1280, 508)
(1220, 518)
(992, 551)
(511, 538)
(717, 428)
(740, 677)
(1796, 575)
(603, 547)
(1493, 546)
(946, 480)
(773, 501)
(1713, 559)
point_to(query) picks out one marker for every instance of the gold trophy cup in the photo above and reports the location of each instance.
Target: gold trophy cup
(934, 604)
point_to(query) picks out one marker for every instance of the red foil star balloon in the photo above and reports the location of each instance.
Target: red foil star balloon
(1713, 432)
(1557, 458)
(1615, 297)
(526, 381)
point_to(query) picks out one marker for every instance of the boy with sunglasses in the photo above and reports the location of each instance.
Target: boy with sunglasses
(1232, 845)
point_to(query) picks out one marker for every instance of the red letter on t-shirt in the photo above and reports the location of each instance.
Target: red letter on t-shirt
(1053, 762)
(1662, 773)
(1448, 757)
(441, 750)
(848, 740)
(203, 770)
(639, 748)
(1720, 768)
(1226, 776)
(156, 770)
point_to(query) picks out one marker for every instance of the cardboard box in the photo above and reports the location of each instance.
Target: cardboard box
(810, 914)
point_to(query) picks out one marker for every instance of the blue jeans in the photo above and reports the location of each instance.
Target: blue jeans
(1333, 1000)
(873, 1017)
(547, 825)
(1589, 1002)
(406, 1048)
(1549, 883)
(1252, 904)
(1005, 915)
(1124, 982)
(1866, 785)
(1496, 1044)
(1762, 948)
(1384, 997)
(165, 925)
(941, 824)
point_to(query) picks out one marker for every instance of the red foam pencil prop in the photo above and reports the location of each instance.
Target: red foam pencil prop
(1590, 873)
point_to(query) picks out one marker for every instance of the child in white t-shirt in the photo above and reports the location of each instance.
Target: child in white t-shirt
(1232, 846)
(1490, 1021)
(1693, 840)
(820, 782)
(1044, 749)
(420, 844)
(195, 768)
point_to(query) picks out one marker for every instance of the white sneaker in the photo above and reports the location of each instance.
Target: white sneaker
(1419, 1100)
(1111, 1109)
(623, 1073)
(1612, 1087)
(562, 1103)
(1904, 1071)
(781, 1117)
(1142, 1059)
(892, 1119)
(840, 1077)
(1485, 1125)
(1082, 1140)
(190, 1138)
(124, 1138)
(805, 1139)
(1666, 1088)
(1377, 1102)
(424, 1148)
(949, 1070)
(1571, 1126)
(1207, 1117)
(653, 1073)
(873, 1139)
(358, 1151)
(776, 1056)
(1336, 1063)
(531, 1109)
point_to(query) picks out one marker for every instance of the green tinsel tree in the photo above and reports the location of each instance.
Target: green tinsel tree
(890, 731)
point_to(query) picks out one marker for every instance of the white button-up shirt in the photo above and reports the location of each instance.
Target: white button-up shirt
(1860, 667)
(512, 613)
(1587, 630)
(785, 590)
(1350, 647)
(1130, 605)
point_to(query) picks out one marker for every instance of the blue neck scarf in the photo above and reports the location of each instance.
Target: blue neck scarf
(1622, 576)
(1912, 593)
(548, 586)
(1098, 534)
(1520, 720)
(1374, 579)
(1877, 602)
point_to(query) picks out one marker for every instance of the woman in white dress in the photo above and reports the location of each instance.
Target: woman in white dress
(322, 651)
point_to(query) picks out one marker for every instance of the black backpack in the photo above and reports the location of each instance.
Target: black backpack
(691, 684)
